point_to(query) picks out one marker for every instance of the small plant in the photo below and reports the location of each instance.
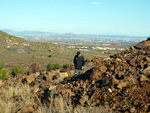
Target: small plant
(56, 66)
(34, 68)
(50, 67)
(16, 70)
(49, 50)
(2, 63)
(49, 56)
(4, 73)
(65, 65)
(43, 70)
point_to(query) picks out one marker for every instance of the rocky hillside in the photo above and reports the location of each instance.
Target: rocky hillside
(120, 83)
(17, 50)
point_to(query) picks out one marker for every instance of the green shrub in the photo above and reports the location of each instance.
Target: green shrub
(50, 67)
(50, 56)
(43, 70)
(56, 66)
(65, 65)
(4, 73)
(16, 70)
(49, 50)
(2, 63)
(25, 71)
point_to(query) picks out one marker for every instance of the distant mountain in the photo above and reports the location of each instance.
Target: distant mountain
(49, 35)
(27, 33)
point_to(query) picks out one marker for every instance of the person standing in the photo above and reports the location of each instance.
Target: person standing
(78, 63)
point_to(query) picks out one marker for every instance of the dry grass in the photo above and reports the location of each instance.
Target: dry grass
(1, 82)
(13, 91)
(57, 104)
(6, 102)
(61, 105)
(26, 100)
(89, 109)
(6, 106)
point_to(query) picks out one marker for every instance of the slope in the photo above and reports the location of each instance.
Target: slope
(17, 50)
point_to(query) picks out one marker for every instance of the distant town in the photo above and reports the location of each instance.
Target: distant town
(104, 44)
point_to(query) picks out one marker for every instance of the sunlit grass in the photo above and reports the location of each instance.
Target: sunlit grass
(7, 104)
(1, 82)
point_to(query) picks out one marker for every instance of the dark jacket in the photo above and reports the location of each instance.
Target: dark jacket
(78, 62)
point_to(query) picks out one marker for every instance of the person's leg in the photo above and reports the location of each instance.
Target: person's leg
(80, 71)
(76, 73)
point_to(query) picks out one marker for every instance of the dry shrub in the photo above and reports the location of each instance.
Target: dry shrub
(34, 68)
(57, 105)
(89, 109)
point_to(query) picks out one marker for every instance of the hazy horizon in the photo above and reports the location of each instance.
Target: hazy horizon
(54, 33)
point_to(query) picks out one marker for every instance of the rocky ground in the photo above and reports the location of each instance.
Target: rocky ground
(119, 83)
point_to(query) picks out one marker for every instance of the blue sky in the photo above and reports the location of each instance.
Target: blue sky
(110, 17)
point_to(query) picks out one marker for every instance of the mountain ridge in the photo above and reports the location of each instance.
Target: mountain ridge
(42, 33)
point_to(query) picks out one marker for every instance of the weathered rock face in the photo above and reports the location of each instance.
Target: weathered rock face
(143, 44)
(120, 82)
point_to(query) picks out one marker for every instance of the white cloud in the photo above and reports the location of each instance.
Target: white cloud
(95, 3)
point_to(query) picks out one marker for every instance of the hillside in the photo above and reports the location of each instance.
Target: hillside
(17, 50)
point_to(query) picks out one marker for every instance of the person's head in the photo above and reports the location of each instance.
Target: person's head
(78, 54)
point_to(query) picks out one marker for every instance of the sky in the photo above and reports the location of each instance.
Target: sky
(103, 17)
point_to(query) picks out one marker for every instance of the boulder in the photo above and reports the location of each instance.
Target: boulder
(30, 79)
(147, 70)
(71, 72)
(121, 85)
(114, 81)
(63, 75)
(132, 110)
(52, 87)
(36, 90)
(95, 75)
(131, 79)
(132, 47)
(103, 69)
(56, 76)
(50, 75)
(144, 78)
(84, 99)
(118, 59)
